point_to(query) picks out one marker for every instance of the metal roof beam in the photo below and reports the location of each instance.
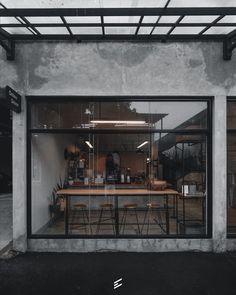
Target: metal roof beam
(7, 44)
(229, 45)
(120, 37)
(117, 11)
(57, 25)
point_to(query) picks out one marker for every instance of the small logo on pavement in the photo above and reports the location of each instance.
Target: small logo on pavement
(118, 283)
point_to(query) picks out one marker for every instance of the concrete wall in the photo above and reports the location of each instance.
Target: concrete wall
(122, 69)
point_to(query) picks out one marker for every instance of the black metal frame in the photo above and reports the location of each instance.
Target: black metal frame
(207, 132)
(230, 131)
(7, 40)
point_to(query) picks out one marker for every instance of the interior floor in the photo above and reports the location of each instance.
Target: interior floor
(86, 222)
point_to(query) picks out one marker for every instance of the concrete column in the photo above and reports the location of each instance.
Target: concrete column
(219, 174)
(19, 179)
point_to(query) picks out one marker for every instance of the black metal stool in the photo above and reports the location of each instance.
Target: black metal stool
(130, 207)
(80, 211)
(151, 207)
(105, 207)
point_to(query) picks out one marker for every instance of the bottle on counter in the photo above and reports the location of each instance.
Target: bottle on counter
(122, 177)
(128, 175)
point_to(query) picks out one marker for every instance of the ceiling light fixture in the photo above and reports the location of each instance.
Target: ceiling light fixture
(117, 122)
(89, 144)
(142, 144)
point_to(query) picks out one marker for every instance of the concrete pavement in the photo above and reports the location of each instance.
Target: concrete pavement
(142, 274)
(5, 220)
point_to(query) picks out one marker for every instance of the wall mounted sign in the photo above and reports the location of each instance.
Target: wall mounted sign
(10, 99)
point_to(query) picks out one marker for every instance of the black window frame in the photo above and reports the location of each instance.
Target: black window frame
(144, 98)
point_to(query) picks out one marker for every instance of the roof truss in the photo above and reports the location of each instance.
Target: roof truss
(109, 25)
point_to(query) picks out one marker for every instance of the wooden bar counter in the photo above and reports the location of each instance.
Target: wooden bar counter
(92, 192)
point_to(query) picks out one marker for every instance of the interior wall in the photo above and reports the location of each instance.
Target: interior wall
(48, 167)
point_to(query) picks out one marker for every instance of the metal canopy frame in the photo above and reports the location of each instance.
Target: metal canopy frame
(7, 40)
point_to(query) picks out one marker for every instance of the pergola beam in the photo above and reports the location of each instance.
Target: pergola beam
(8, 44)
(229, 45)
(120, 37)
(117, 11)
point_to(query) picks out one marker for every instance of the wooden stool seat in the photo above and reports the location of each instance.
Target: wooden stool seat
(130, 206)
(80, 205)
(153, 205)
(106, 205)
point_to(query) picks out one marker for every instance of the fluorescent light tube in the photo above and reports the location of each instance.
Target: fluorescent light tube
(142, 144)
(117, 122)
(89, 144)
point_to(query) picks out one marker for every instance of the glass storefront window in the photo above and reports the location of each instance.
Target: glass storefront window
(231, 167)
(139, 168)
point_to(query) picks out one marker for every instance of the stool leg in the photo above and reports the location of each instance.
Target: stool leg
(86, 214)
(72, 220)
(148, 223)
(84, 220)
(99, 221)
(112, 220)
(124, 222)
(75, 213)
(160, 221)
(135, 211)
(144, 220)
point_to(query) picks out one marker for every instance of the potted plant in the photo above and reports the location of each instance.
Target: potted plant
(54, 206)
(55, 200)
(70, 180)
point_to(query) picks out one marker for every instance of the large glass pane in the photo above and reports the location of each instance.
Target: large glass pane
(119, 184)
(19, 31)
(231, 188)
(83, 3)
(53, 30)
(202, 3)
(182, 163)
(231, 166)
(86, 30)
(219, 30)
(231, 115)
(187, 30)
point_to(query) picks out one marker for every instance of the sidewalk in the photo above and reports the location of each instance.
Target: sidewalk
(5, 220)
(142, 274)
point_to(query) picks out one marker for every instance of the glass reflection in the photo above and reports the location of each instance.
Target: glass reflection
(120, 115)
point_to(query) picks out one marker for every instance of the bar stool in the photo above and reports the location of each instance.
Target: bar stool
(151, 208)
(108, 208)
(129, 208)
(80, 211)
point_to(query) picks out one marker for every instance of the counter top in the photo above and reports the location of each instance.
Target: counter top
(114, 192)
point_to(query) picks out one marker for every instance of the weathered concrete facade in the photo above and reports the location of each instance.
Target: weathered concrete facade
(122, 69)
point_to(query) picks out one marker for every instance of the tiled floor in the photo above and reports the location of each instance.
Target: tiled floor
(157, 226)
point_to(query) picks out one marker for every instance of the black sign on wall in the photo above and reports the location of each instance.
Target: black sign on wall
(10, 99)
